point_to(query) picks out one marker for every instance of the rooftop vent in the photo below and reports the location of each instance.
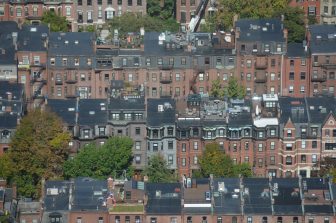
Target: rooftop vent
(92, 112)
(76, 42)
(33, 29)
(66, 42)
(71, 109)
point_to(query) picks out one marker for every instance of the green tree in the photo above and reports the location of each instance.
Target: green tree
(214, 161)
(37, 150)
(112, 158)
(217, 90)
(234, 90)
(293, 22)
(327, 167)
(157, 170)
(130, 22)
(227, 9)
(90, 28)
(160, 9)
(57, 23)
(243, 170)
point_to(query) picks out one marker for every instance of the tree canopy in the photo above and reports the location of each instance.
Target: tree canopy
(214, 161)
(37, 150)
(130, 22)
(160, 9)
(229, 9)
(57, 23)
(157, 170)
(232, 90)
(110, 159)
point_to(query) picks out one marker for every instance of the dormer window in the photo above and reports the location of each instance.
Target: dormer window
(5, 134)
(76, 61)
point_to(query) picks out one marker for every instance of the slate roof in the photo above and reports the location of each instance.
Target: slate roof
(293, 108)
(8, 121)
(89, 194)
(258, 200)
(92, 112)
(129, 104)
(32, 38)
(59, 202)
(323, 39)
(168, 203)
(227, 201)
(6, 42)
(241, 119)
(84, 47)
(296, 50)
(315, 105)
(65, 109)
(14, 88)
(288, 200)
(251, 30)
(156, 118)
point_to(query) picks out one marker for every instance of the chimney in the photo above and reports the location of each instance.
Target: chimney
(110, 183)
(285, 32)
(9, 96)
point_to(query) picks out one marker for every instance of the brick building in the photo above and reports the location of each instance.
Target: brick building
(260, 45)
(312, 9)
(222, 200)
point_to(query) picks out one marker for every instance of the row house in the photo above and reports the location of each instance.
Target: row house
(241, 135)
(302, 123)
(260, 46)
(296, 72)
(176, 64)
(328, 12)
(127, 117)
(85, 119)
(32, 60)
(8, 46)
(32, 11)
(313, 9)
(90, 200)
(222, 200)
(161, 131)
(70, 66)
(12, 108)
(99, 12)
(321, 39)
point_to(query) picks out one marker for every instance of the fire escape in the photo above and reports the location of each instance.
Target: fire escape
(38, 82)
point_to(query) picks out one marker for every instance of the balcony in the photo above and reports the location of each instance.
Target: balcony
(261, 63)
(71, 81)
(165, 80)
(319, 78)
(260, 79)
(328, 66)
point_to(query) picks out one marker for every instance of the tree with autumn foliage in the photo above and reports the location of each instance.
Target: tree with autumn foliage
(37, 151)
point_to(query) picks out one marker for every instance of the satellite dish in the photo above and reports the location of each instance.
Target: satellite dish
(227, 39)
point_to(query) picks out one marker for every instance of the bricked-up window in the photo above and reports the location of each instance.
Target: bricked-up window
(130, 2)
